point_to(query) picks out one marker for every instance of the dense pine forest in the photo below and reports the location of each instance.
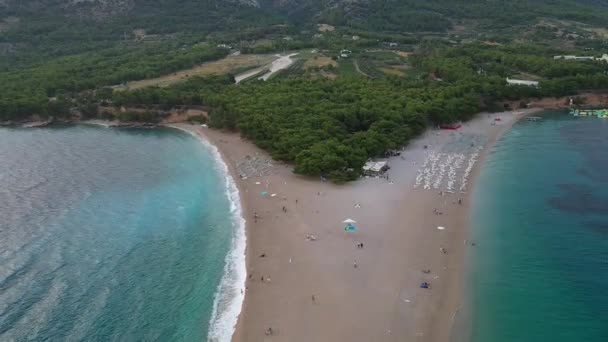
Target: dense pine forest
(369, 75)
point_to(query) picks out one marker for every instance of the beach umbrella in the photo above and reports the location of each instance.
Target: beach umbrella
(349, 220)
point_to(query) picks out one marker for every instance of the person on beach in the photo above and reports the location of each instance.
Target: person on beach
(269, 332)
(314, 300)
(355, 264)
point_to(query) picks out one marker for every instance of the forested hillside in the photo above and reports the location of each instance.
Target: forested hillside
(369, 74)
(35, 28)
(331, 127)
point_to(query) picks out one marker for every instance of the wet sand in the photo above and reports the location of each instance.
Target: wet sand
(379, 299)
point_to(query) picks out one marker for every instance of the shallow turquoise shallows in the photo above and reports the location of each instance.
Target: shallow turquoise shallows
(539, 270)
(109, 235)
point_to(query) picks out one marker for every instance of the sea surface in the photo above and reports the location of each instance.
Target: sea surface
(539, 269)
(116, 235)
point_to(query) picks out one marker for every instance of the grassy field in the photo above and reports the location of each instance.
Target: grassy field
(347, 68)
(230, 64)
(372, 64)
(377, 64)
(319, 62)
(393, 71)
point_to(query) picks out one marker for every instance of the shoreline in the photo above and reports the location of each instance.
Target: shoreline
(460, 319)
(272, 304)
(300, 269)
(228, 301)
(397, 225)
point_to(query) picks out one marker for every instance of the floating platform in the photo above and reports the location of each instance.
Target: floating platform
(596, 113)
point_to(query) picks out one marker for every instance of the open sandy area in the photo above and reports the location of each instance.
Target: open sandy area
(325, 288)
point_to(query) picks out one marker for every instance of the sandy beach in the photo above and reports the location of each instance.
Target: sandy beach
(326, 288)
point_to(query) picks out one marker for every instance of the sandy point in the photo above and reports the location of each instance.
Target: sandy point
(310, 280)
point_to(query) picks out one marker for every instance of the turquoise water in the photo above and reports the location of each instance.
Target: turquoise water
(539, 270)
(110, 235)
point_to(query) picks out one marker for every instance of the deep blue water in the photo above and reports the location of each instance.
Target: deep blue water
(109, 235)
(539, 270)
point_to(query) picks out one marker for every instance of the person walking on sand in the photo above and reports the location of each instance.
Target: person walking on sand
(314, 300)
(355, 264)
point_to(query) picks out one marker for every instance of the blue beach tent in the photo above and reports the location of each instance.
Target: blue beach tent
(350, 225)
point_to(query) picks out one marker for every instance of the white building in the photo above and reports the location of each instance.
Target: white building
(345, 53)
(375, 168)
(575, 58)
(511, 81)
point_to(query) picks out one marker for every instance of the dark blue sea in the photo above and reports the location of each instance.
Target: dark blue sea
(539, 270)
(116, 235)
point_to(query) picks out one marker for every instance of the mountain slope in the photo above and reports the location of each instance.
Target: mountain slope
(380, 15)
(53, 28)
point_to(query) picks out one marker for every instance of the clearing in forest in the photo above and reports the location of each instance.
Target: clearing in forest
(402, 53)
(325, 28)
(230, 64)
(319, 62)
(393, 71)
(359, 69)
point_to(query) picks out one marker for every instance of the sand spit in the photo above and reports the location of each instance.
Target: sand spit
(307, 279)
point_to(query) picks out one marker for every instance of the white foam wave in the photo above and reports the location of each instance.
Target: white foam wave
(228, 300)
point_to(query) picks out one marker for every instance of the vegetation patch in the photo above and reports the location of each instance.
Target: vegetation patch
(319, 62)
(228, 65)
(393, 71)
